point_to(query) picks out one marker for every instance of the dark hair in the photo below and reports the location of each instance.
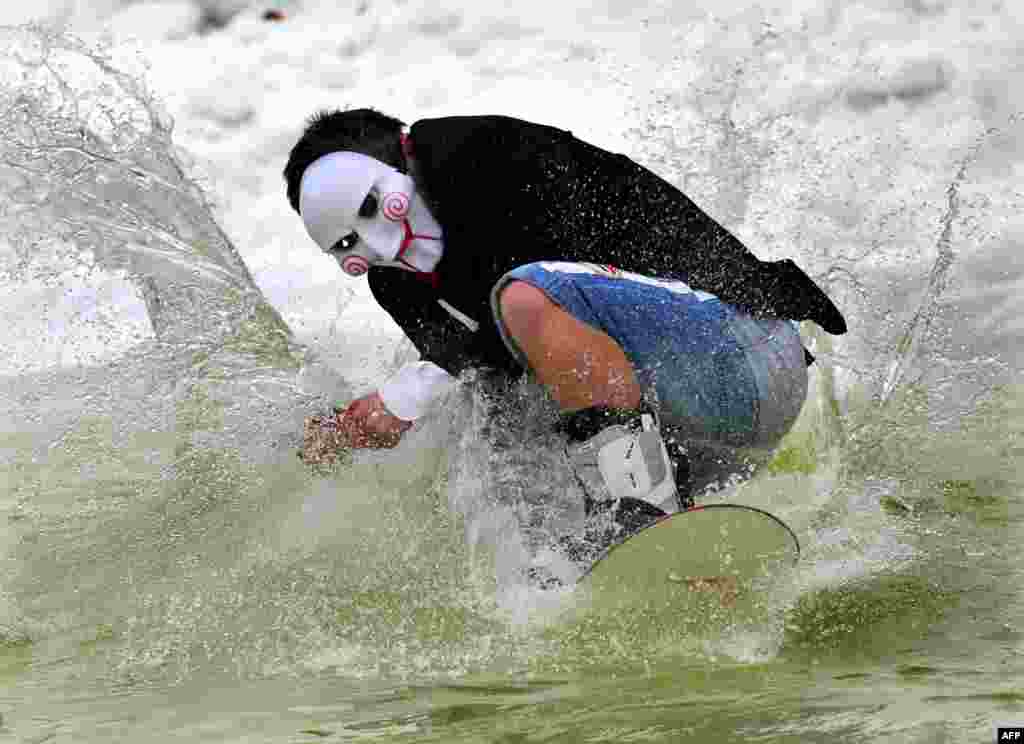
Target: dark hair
(365, 131)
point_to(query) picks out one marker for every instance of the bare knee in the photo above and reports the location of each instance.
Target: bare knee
(522, 305)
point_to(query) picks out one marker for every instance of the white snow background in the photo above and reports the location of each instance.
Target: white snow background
(240, 87)
(703, 92)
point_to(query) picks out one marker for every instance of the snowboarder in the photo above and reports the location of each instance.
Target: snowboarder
(502, 244)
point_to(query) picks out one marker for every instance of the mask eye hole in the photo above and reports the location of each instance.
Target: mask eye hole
(369, 206)
(347, 243)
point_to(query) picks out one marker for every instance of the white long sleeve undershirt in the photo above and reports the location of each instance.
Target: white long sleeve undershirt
(413, 388)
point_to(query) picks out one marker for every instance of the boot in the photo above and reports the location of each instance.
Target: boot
(630, 475)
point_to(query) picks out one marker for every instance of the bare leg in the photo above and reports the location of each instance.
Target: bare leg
(578, 364)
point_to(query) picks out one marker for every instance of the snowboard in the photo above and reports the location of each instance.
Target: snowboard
(722, 555)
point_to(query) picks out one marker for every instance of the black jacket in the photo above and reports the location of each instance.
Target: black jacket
(507, 192)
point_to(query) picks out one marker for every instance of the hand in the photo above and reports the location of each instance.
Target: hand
(371, 424)
(366, 423)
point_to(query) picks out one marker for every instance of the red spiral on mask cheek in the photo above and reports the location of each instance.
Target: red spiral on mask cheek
(395, 206)
(355, 265)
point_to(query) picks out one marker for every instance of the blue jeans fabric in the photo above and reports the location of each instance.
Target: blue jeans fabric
(717, 375)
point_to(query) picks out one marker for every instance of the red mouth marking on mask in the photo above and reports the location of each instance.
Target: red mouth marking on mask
(407, 241)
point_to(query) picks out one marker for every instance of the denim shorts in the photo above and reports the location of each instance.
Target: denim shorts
(716, 374)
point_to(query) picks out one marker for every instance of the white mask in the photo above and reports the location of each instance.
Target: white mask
(400, 231)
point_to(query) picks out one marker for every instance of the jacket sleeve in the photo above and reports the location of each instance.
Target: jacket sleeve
(413, 304)
(651, 227)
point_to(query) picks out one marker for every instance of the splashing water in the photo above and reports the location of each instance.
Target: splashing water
(133, 442)
(157, 508)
